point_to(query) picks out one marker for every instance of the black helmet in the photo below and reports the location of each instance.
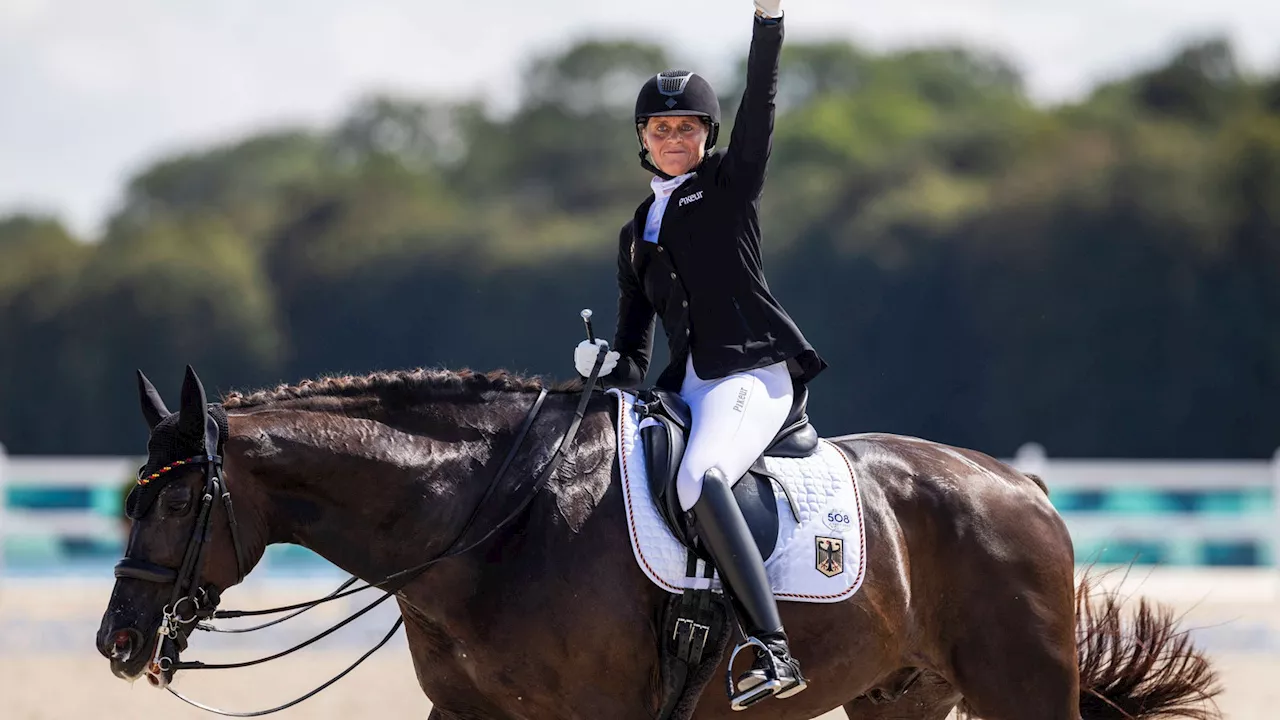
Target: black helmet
(677, 92)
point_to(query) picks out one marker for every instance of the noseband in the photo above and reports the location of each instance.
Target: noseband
(202, 600)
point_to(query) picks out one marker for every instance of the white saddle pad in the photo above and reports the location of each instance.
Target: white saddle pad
(819, 556)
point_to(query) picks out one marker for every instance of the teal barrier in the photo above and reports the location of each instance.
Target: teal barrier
(61, 488)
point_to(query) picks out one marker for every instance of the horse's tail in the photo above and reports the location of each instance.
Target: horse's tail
(1149, 671)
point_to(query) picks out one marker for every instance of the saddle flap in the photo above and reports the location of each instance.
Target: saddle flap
(664, 444)
(759, 506)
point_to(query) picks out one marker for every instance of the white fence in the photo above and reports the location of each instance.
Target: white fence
(1170, 476)
(1060, 475)
(83, 473)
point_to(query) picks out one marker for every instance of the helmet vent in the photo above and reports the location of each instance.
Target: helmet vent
(673, 82)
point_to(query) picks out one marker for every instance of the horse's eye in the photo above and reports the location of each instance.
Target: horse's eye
(178, 502)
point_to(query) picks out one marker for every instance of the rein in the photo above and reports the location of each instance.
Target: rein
(171, 625)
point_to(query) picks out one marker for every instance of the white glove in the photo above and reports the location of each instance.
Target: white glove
(769, 8)
(584, 357)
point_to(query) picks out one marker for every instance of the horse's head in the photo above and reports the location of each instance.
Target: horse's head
(182, 550)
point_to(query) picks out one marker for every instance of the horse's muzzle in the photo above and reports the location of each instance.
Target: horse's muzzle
(128, 651)
(122, 645)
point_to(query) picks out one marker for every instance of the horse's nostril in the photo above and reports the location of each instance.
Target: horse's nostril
(122, 646)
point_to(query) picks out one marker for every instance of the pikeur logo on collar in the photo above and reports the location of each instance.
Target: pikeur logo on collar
(693, 198)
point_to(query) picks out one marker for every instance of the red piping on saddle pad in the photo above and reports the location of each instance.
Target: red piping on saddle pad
(631, 517)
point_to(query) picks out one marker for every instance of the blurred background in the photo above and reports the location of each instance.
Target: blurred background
(1048, 232)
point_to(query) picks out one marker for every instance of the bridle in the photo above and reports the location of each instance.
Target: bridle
(187, 588)
(203, 601)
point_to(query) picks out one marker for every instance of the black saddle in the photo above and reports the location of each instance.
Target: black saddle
(664, 446)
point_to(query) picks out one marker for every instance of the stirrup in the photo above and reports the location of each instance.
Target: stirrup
(771, 686)
(794, 684)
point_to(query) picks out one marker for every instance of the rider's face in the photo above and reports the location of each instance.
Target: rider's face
(676, 143)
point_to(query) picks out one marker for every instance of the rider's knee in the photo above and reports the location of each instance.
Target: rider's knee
(714, 475)
(691, 487)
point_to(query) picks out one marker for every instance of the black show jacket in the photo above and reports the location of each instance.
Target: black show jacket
(704, 277)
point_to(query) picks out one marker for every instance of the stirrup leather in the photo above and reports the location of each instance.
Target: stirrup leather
(742, 698)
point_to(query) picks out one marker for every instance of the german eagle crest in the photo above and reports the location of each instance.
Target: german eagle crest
(830, 556)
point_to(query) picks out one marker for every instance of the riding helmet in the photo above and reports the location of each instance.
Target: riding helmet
(678, 92)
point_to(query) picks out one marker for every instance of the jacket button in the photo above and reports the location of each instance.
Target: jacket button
(661, 249)
(684, 303)
(686, 331)
(673, 276)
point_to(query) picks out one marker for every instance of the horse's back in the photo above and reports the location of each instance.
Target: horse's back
(925, 459)
(967, 528)
(961, 484)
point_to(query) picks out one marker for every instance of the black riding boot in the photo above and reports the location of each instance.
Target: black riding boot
(725, 534)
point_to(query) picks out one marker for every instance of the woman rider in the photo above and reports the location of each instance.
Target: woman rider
(691, 255)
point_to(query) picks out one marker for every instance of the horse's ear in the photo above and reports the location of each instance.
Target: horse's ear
(191, 421)
(153, 408)
(211, 434)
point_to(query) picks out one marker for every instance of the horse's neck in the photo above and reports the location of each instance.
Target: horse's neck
(372, 497)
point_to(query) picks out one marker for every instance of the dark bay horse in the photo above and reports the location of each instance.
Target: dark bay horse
(969, 599)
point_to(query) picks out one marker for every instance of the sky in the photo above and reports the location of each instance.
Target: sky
(92, 92)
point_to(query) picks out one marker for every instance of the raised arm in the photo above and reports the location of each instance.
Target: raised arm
(746, 159)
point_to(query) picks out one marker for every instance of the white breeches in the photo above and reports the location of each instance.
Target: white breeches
(734, 418)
